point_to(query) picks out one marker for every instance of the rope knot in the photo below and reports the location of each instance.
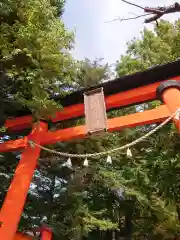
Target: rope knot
(31, 143)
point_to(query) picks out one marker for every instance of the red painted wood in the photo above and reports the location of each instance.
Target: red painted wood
(12, 208)
(46, 234)
(13, 145)
(19, 123)
(121, 99)
(137, 119)
(74, 111)
(171, 97)
(14, 202)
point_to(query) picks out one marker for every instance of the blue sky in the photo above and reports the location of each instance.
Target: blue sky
(95, 37)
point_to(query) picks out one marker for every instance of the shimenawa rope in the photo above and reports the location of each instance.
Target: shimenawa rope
(126, 146)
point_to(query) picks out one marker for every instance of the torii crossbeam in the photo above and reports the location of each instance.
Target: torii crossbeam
(162, 82)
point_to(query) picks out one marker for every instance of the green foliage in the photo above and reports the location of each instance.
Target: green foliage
(59, 5)
(91, 73)
(34, 47)
(61, 197)
(153, 48)
(80, 202)
(155, 165)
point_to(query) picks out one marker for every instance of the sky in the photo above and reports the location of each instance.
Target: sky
(94, 37)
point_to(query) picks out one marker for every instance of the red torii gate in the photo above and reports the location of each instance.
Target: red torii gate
(162, 82)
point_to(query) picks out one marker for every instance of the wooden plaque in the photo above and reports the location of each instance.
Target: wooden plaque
(95, 111)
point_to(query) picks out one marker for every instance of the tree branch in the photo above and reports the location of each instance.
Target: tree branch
(162, 11)
(129, 18)
(133, 4)
(157, 12)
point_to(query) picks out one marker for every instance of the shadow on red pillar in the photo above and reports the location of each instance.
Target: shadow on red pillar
(46, 234)
(171, 97)
(169, 93)
(12, 208)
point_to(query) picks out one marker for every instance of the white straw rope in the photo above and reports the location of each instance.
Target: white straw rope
(71, 155)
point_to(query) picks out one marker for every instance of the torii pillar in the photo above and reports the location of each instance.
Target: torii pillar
(169, 93)
(13, 205)
(46, 234)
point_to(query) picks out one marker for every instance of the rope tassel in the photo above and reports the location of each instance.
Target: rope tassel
(69, 163)
(177, 116)
(86, 164)
(109, 159)
(129, 153)
(97, 154)
(72, 176)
